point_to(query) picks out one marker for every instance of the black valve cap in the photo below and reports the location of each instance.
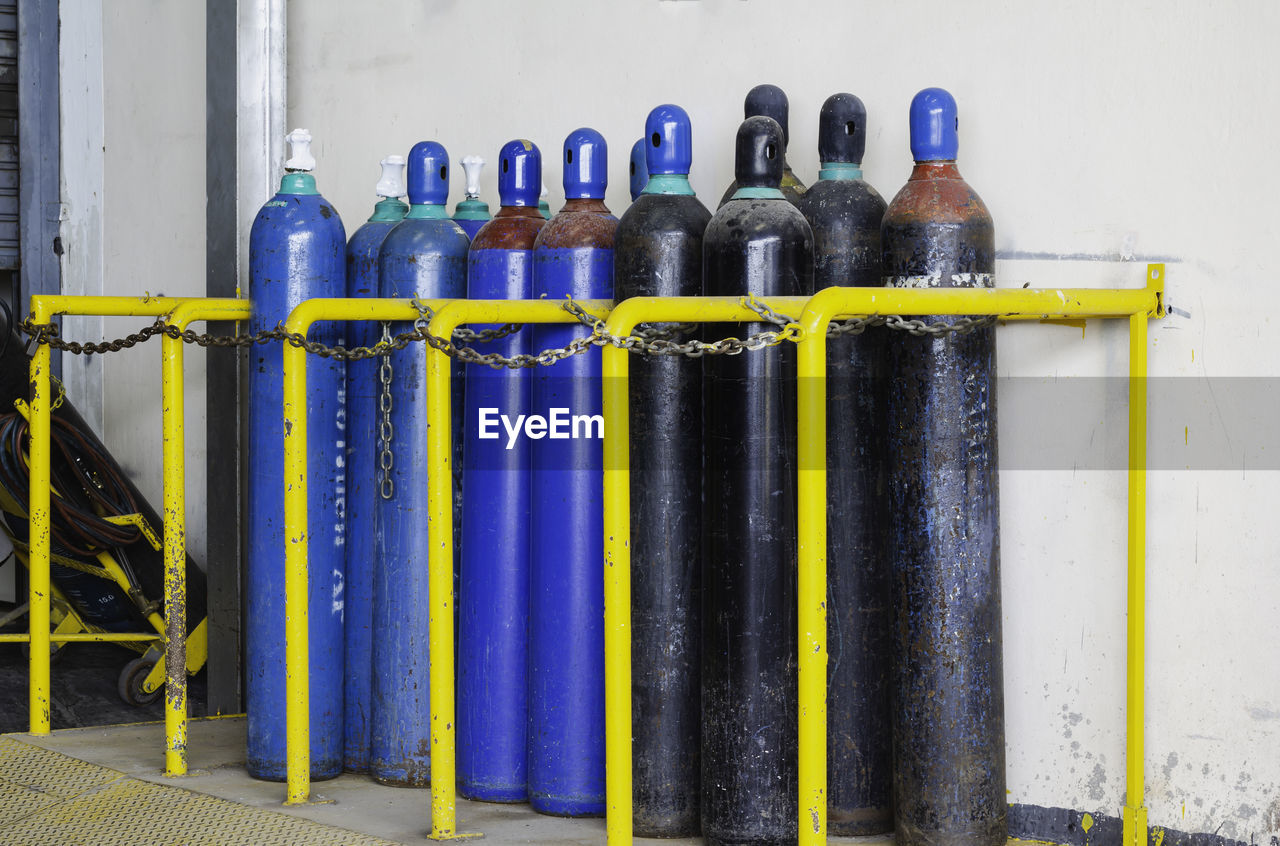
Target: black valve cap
(842, 129)
(769, 101)
(758, 159)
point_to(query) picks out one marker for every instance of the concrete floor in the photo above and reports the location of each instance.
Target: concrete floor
(82, 688)
(351, 802)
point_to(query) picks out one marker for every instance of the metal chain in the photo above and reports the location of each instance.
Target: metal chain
(962, 325)
(858, 325)
(645, 340)
(386, 459)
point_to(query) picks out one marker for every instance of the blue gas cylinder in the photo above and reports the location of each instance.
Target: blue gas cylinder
(493, 589)
(472, 212)
(296, 252)
(639, 169)
(573, 256)
(424, 256)
(362, 487)
(947, 680)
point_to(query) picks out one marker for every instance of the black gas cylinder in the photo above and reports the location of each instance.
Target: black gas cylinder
(845, 214)
(658, 253)
(771, 101)
(757, 243)
(948, 687)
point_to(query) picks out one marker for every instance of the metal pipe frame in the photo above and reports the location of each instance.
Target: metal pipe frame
(617, 525)
(182, 311)
(1011, 304)
(173, 405)
(449, 314)
(296, 643)
(1138, 305)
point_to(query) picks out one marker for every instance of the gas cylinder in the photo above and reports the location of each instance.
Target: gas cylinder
(424, 256)
(771, 101)
(362, 487)
(659, 254)
(544, 208)
(757, 243)
(296, 252)
(493, 592)
(639, 169)
(844, 213)
(472, 212)
(947, 688)
(573, 256)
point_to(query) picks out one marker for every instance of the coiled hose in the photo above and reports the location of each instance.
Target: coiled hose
(86, 487)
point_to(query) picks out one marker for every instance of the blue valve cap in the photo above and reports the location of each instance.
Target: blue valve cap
(769, 101)
(586, 165)
(428, 174)
(519, 173)
(639, 169)
(669, 134)
(934, 126)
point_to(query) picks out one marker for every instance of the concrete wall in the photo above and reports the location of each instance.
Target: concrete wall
(1100, 135)
(133, 124)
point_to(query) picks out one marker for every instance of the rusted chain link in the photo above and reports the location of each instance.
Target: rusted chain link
(858, 325)
(644, 340)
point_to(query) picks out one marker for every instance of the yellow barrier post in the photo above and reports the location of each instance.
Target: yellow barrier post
(444, 791)
(175, 521)
(811, 575)
(617, 525)
(43, 310)
(1011, 304)
(1135, 811)
(39, 523)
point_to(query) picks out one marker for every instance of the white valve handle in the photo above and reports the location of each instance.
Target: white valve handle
(392, 182)
(471, 165)
(300, 157)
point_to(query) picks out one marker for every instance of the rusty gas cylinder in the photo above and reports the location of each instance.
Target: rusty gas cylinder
(572, 257)
(948, 685)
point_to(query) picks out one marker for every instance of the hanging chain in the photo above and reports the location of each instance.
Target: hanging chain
(644, 340)
(386, 458)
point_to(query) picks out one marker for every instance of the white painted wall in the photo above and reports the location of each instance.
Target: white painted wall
(133, 171)
(80, 119)
(1090, 128)
(1094, 128)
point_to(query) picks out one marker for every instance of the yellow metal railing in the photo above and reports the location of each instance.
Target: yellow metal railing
(175, 520)
(1012, 304)
(449, 314)
(1138, 305)
(181, 311)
